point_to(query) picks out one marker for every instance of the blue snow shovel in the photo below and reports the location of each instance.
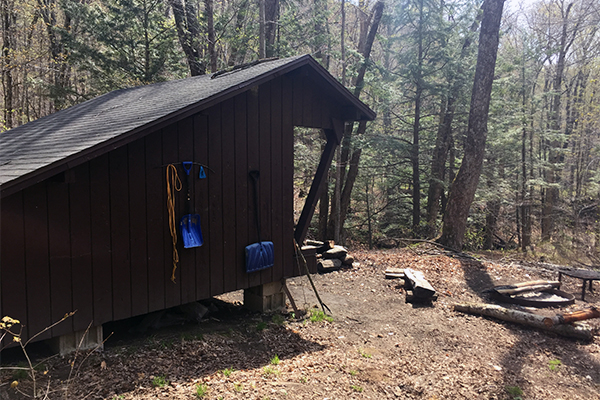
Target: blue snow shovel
(258, 255)
(190, 223)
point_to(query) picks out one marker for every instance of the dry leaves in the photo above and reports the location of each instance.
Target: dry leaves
(378, 346)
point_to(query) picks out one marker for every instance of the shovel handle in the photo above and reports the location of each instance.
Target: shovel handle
(255, 175)
(187, 167)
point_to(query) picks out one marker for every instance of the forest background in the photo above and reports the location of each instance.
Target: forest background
(412, 61)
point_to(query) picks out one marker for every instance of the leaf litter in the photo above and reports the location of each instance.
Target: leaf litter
(377, 347)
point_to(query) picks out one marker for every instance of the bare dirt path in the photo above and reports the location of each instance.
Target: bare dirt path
(377, 347)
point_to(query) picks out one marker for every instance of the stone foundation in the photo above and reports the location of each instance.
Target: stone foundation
(267, 297)
(82, 340)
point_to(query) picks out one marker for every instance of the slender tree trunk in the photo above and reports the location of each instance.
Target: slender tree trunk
(145, 24)
(414, 153)
(238, 49)
(210, 33)
(57, 53)
(443, 140)
(262, 45)
(271, 14)
(353, 161)
(525, 198)
(462, 191)
(188, 31)
(554, 153)
(369, 226)
(8, 48)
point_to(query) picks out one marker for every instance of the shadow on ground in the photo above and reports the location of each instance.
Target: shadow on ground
(233, 338)
(531, 342)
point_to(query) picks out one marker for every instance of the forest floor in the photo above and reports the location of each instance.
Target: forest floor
(377, 346)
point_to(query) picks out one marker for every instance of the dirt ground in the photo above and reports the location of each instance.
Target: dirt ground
(378, 346)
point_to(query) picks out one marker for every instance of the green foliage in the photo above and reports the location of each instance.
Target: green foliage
(227, 372)
(357, 388)
(261, 326)
(278, 319)
(515, 392)
(554, 364)
(317, 315)
(201, 390)
(270, 371)
(275, 360)
(122, 43)
(20, 374)
(160, 381)
(365, 354)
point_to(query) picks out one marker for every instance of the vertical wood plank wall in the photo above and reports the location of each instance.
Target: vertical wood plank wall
(96, 240)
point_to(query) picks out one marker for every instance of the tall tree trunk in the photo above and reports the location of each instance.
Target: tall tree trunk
(443, 140)
(525, 195)
(271, 26)
(238, 50)
(462, 191)
(414, 152)
(554, 152)
(188, 31)
(262, 26)
(57, 53)
(369, 225)
(347, 180)
(321, 28)
(210, 33)
(342, 41)
(9, 19)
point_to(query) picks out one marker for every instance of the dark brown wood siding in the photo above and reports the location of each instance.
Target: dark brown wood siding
(96, 238)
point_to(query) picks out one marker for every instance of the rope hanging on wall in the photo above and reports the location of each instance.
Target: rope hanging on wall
(173, 182)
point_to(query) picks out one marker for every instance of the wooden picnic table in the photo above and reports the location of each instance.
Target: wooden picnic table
(586, 275)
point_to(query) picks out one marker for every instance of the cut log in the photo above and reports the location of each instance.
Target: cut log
(329, 265)
(315, 243)
(348, 260)
(524, 287)
(392, 275)
(395, 271)
(420, 287)
(337, 252)
(569, 318)
(576, 331)
(328, 244)
(309, 248)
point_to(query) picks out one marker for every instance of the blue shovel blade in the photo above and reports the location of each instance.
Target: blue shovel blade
(190, 231)
(259, 256)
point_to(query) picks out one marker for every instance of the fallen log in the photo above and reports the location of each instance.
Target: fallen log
(390, 275)
(569, 318)
(576, 331)
(329, 265)
(394, 273)
(336, 252)
(419, 285)
(348, 260)
(524, 287)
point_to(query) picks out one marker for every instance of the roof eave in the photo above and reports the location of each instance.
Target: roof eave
(362, 113)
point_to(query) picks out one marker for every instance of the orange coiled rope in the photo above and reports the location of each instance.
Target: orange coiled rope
(173, 182)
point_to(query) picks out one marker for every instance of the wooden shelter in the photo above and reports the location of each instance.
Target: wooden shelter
(84, 222)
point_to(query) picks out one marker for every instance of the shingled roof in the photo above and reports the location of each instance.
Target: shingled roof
(37, 150)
